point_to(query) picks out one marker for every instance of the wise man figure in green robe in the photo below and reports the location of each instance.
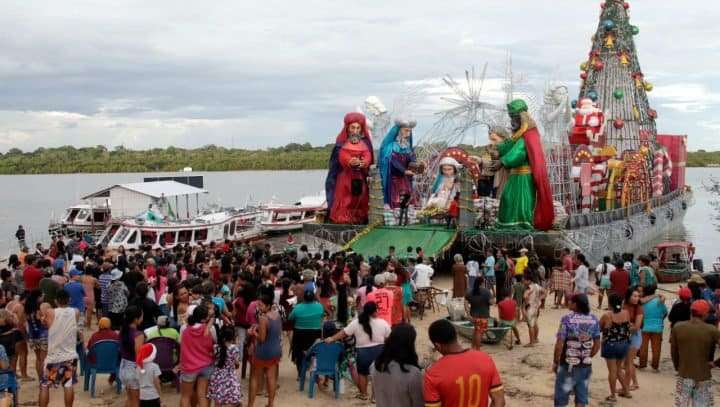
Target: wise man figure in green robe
(526, 202)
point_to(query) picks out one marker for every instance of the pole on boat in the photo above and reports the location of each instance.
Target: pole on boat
(177, 208)
(197, 203)
(187, 206)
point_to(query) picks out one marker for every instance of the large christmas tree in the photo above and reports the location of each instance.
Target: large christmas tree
(613, 78)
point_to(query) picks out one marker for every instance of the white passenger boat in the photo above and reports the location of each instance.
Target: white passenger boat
(279, 218)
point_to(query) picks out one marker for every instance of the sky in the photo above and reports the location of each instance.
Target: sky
(255, 74)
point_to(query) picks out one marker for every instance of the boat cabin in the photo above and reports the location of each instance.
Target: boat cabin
(675, 260)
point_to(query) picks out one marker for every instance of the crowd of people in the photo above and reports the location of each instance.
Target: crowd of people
(230, 304)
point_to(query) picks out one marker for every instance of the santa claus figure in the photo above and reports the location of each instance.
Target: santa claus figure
(589, 126)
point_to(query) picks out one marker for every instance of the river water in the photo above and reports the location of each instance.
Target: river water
(32, 200)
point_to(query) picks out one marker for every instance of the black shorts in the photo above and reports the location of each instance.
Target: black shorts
(365, 358)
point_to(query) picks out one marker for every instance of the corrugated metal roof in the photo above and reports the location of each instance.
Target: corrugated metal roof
(156, 189)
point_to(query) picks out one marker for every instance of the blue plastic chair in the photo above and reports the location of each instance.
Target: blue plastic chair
(82, 357)
(327, 358)
(12, 384)
(107, 361)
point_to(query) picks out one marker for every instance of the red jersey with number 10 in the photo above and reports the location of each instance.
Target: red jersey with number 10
(463, 379)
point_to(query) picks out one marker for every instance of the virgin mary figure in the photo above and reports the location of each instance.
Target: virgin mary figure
(445, 187)
(396, 156)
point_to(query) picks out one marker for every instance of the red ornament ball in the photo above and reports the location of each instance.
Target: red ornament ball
(602, 5)
(652, 113)
(599, 65)
(626, 5)
(619, 123)
(583, 75)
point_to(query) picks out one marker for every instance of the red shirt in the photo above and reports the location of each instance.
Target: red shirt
(383, 298)
(619, 282)
(461, 380)
(506, 309)
(567, 263)
(397, 307)
(31, 277)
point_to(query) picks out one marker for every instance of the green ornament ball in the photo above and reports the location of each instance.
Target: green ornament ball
(618, 93)
(635, 30)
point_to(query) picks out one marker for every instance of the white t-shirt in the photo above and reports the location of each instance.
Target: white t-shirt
(423, 272)
(473, 268)
(147, 384)
(380, 331)
(599, 270)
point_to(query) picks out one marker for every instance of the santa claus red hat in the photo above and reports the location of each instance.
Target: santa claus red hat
(145, 355)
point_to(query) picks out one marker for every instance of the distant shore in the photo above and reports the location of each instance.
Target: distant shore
(99, 159)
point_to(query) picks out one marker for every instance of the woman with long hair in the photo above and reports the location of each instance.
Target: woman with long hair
(36, 330)
(370, 333)
(615, 325)
(131, 339)
(635, 313)
(362, 292)
(268, 349)
(582, 275)
(396, 375)
(326, 291)
(196, 357)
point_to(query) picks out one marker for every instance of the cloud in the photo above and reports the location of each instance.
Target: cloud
(259, 73)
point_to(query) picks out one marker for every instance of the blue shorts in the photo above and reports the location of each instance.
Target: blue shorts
(365, 358)
(636, 340)
(615, 350)
(568, 380)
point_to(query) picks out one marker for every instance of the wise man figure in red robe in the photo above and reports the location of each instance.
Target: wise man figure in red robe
(346, 185)
(589, 126)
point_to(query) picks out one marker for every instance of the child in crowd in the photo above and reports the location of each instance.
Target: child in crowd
(507, 314)
(148, 376)
(518, 294)
(224, 386)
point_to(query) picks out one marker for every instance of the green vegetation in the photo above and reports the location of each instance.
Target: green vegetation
(98, 159)
(294, 156)
(702, 158)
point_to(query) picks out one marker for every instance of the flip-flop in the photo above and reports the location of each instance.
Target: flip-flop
(625, 395)
(361, 396)
(611, 398)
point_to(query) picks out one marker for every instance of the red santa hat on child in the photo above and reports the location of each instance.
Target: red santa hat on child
(147, 354)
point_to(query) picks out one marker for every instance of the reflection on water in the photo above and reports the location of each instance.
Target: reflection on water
(31, 199)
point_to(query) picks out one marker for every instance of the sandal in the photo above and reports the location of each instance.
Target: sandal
(361, 396)
(625, 395)
(634, 387)
(611, 398)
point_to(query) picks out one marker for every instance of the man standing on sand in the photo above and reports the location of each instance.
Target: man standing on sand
(61, 360)
(461, 377)
(691, 345)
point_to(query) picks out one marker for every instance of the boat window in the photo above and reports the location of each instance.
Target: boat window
(296, 216)
(232, 228)
(168, 238)
(279, 217)
(148, 237)
(99, 217)
(82, 215)
(110, 234)
(71, 214)
(309, 214)
(133, 238)
(225, 231)
(184, 236)
(121, 235)
(200, 235)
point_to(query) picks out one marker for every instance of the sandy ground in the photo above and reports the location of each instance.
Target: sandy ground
(526, 373)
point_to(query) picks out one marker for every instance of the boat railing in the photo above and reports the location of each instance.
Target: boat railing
(580, 220)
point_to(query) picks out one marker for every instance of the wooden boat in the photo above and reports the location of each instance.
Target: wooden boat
(675, 259)
(494, 334)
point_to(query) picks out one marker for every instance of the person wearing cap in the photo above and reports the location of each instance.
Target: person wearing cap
(77, 293)
(383, 298)
(104, 333)
(117, 296)
(578, 340)
(680, 311)
(691, 344)
(148, 376)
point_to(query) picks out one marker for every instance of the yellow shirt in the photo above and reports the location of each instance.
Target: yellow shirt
(521, 264)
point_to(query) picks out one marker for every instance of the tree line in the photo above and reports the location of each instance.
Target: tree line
(99, 159)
